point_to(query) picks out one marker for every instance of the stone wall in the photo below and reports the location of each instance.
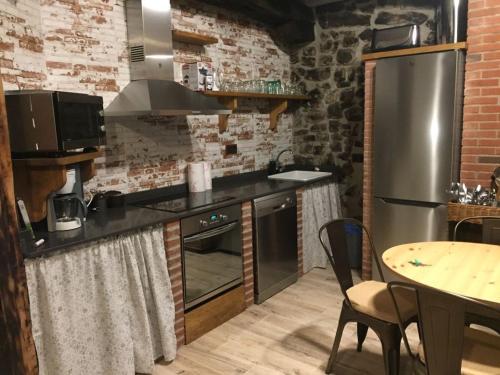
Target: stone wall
(330, 69)
(81, 45)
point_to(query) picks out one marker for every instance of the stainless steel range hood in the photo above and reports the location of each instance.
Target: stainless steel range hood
(153, 90)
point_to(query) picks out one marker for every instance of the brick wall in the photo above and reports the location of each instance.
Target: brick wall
(481, 132)
(247, 227)
(172, 238)
(367, 166)
(300, 231)
(81, 46)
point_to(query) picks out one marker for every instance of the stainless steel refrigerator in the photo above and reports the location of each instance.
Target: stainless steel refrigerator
(417, 132)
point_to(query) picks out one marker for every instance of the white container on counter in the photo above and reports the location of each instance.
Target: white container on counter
(207, 169)
(196, 177)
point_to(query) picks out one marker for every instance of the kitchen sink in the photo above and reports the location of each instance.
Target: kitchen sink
(303, 176)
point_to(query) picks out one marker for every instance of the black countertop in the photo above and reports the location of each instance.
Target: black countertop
(116, 221)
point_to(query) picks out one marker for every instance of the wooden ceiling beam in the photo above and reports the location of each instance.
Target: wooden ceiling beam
(292, 22)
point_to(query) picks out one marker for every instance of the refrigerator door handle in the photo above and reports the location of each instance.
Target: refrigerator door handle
(410, 202)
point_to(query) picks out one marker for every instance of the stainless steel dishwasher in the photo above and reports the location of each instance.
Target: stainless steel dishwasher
(275, 243)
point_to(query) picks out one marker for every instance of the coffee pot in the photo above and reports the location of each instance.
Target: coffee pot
(69, 211)
(66, 209)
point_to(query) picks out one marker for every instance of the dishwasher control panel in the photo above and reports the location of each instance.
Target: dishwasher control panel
(274, 202)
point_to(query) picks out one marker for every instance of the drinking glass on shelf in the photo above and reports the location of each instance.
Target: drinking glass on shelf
(279, 88)
(269, 87)
(239, 86)
(261, 86)
(254, 85)
(219, 80)
(286, 88)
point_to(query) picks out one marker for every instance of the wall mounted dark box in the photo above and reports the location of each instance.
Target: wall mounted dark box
(53, 121)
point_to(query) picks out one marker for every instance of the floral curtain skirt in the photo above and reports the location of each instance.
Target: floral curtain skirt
(104, 307)
(320, 204)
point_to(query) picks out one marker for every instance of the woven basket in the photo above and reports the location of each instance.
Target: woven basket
(459, 211)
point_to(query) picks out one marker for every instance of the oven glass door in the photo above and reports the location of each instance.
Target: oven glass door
(212, 263)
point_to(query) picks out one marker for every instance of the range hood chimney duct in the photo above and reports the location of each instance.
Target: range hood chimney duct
(153, 90)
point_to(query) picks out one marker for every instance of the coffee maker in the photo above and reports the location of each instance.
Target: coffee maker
(66, 209)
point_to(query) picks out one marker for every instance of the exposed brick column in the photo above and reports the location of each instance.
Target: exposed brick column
(246, 214)
(481, 128)
(172, 238)
(368, 166)
(300, 240)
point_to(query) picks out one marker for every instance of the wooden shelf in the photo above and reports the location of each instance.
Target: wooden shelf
(193, 38)
(62, 160)
(255, 95)
(414, 51)
(230, 100)
(36, 178)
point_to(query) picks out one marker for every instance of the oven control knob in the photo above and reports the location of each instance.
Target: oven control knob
(203, 223)
(223, 217)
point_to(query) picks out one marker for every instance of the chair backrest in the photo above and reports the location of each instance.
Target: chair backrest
(442, 318)
(338, 253)
(491, 228)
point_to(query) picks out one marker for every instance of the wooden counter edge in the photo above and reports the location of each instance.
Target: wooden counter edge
(414, 51)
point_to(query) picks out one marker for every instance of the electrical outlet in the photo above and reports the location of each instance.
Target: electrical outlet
(231, 149)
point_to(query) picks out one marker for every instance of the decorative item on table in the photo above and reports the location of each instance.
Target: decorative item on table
(393, 38)
(198, 180)
(197, 76)
(418, 263)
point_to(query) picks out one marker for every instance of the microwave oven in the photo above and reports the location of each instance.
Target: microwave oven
(53, 121)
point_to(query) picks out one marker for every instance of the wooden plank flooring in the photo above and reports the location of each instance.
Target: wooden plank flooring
(291, 333)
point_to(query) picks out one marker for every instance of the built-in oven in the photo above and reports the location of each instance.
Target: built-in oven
(211, 254)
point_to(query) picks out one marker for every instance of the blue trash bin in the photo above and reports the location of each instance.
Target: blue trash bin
(354, 240)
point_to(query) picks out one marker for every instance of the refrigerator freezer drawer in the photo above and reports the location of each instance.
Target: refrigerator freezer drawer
(397, 222)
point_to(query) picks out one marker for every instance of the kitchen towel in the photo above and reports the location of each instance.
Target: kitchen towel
(200, 176)
(196, 177)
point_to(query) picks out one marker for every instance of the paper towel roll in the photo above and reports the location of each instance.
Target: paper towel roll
(196, 177)
(207, 169)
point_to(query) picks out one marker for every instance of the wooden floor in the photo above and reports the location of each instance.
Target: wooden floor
(291, 333)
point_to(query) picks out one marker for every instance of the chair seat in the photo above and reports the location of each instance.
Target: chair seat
(480, 355)
(373, 298)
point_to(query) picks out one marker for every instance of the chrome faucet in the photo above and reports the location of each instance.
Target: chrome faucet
(275, 165)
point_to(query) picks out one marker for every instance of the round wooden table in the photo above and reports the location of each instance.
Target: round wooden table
(469, 269)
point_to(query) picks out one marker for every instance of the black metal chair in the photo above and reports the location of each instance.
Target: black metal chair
(490, 235)
(490, 231)
(448, 347)
(367, 303)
